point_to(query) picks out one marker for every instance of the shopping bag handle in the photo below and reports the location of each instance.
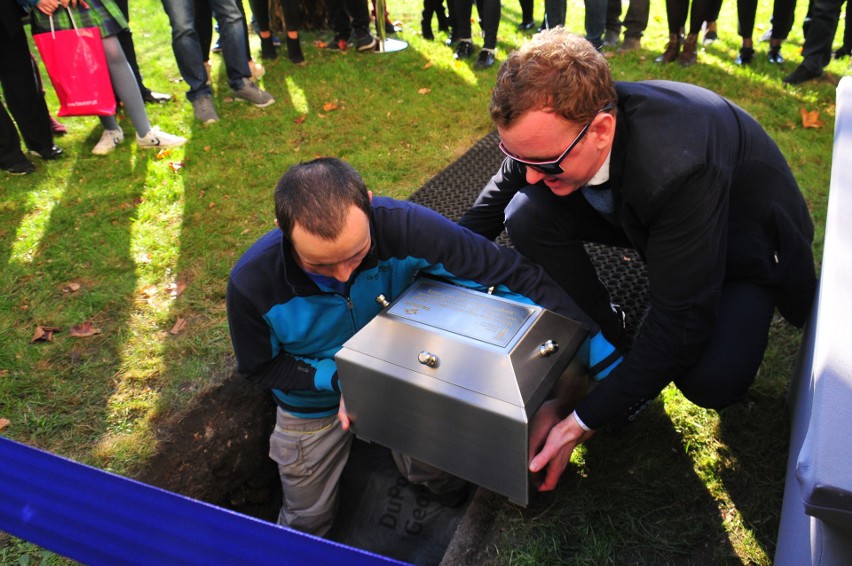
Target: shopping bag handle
(70, 17)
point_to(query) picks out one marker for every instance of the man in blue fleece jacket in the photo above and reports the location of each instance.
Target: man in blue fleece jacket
(304, 289)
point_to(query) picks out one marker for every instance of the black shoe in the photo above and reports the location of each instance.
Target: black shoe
(364, 41)
(775, 56)
(49, 154)
(267, 48)
(526, 26)
(21, 168)
(391, 28)
(339, 42)
(485, 59)
(152, 97)
(843, 52)
(800, 75)
(294, 51)
(745, 57)
(463, 50)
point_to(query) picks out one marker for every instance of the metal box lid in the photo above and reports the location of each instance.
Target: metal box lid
(451, 376)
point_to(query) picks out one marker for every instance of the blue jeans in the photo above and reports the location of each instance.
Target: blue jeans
(187, 47)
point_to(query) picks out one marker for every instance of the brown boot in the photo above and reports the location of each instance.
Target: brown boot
(689, 55)
(672, 50)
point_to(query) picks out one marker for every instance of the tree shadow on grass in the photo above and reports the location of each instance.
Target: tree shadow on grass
(81, 269)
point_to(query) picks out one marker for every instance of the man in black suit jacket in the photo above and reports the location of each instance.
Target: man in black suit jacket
(23, 96)
(675, 171)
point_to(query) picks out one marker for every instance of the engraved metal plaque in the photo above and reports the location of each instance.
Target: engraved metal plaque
(452, 309)
(451, 376)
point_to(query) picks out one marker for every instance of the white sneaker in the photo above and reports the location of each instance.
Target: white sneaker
(158, 139)
(109, 140)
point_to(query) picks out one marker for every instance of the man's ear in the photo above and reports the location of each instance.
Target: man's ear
(603, 129)
(276, 223)
(370, 194)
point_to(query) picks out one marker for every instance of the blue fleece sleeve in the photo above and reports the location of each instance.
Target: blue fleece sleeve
(325, 378)
(602, 356)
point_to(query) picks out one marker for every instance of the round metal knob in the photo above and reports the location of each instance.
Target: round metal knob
(382, 301)
(548, 348)
(428, 359)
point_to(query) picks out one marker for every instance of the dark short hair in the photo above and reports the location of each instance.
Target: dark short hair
(318, 195)
(556, 70)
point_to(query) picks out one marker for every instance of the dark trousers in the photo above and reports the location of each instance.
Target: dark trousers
(551, 231)
(25, 101)
(346, 15)
(782, 18)
(824, 15)
(489, 20)
(526, 10)
(635, 19)
(678, 10)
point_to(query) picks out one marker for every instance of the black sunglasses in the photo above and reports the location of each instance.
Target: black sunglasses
(552, 168)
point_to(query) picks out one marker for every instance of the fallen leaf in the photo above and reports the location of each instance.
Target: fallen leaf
(176, 166)
(424, 91)
(4, 372)
(211, 205)
(149, 291)
(163, 153)
(71, 287)
(180, 324)
(176, 288)
(428, 64)
(207, 148)
(300, 119)
(329, 106)
(320, 44)
(84, 330)
(810, 119)
(44, 333)
(4, 423)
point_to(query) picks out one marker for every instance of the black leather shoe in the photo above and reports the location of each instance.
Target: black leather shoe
(526, 26)
(800, 75)
(21, 168)
(152, 97)
(485, 59)
(463, 50)
(843, 52)
(745, 57)
(775, 56)
(49, 154)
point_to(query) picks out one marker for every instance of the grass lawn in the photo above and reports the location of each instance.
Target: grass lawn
(141, 245)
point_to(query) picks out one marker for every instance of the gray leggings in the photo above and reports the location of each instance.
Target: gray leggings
(126, 87)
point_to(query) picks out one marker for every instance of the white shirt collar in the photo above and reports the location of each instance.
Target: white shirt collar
(602, 176)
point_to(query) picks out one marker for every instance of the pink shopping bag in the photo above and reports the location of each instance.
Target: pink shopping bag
(78, 70)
